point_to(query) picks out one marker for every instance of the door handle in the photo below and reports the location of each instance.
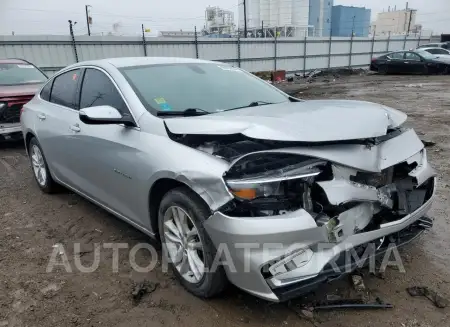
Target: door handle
(76, 128)
(406, 62)
(41, 116)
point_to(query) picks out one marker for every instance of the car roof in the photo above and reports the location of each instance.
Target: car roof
(431, 44)
(13, 61)
(140, 61)
(429, 48)
(397, 51)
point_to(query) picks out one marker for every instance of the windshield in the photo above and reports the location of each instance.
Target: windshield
(16, 74)
(207, 87)
(426, 54)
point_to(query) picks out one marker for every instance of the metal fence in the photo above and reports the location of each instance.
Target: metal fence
(51, 53)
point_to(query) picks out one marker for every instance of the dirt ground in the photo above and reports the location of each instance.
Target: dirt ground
(32, 222)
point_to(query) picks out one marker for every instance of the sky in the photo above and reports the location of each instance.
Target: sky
(51, 16)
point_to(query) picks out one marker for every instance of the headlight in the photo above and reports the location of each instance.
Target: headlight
(267, 186)
(248, 191)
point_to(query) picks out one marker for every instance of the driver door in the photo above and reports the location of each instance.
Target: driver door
(414, 61)
(107, 169)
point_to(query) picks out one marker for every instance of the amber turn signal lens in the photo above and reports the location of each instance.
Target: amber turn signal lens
(246, 193)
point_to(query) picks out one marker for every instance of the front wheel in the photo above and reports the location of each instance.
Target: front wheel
(446, 70)
(188, 247)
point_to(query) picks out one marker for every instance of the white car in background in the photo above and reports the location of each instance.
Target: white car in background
(439, 52)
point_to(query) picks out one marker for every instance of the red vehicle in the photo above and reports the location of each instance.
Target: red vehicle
(19, 81)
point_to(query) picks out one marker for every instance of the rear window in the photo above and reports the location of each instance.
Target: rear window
(397, 55)
(65, 88)
(18, 74)
(437, 51)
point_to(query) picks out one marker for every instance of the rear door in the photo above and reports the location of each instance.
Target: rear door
(56, 115)
(396, 62)
(109, 168)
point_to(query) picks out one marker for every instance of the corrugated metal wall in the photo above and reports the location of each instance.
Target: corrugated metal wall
(52, 53)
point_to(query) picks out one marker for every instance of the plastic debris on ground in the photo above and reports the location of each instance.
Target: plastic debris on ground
(438, 300)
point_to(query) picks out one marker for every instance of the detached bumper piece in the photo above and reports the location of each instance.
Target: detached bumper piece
(330, 273)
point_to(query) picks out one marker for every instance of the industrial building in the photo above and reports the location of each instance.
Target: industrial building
(348, 21)
(320, 17)
(395, 22)
(287, 17)
(219, 21)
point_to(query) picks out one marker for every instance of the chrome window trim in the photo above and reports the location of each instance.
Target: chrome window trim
(92, 67)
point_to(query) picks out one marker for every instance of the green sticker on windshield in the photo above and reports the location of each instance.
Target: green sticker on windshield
(160, 100)
(165, 107)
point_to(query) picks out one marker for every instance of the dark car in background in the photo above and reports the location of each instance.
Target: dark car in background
(19, 81)
(411, 62)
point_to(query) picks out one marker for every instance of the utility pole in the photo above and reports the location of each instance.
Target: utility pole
(74, 46)
(245, 18)
(353, 25)
(411, 11)
(406, 17)
(144, 43)
(262, 28)
(88, 19)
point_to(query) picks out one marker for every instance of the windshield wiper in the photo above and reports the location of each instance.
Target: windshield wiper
(252, 104)
(185, 113)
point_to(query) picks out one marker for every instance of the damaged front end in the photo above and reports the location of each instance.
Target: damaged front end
(341, 194)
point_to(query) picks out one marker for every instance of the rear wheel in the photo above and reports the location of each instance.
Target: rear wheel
(383, 70)
(189, 250)
(40, 168)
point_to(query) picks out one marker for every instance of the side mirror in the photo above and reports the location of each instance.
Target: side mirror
(103, 115)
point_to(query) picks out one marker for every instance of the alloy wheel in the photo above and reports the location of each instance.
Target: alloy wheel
(184, 245)
(39, 168)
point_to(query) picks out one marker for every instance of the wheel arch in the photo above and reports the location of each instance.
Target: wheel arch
(157, 191)
(28, 136)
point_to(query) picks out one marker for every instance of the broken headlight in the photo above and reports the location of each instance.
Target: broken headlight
(251, 191)
(276, 191)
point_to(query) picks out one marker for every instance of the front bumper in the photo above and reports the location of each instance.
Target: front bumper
(345, 262)
(253, 242)
(10, 131)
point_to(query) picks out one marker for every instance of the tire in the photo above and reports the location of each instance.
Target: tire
(45, 182)
(211, 283)
(446, 70)
(383, 70)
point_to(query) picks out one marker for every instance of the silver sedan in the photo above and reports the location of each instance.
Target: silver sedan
(240, 181)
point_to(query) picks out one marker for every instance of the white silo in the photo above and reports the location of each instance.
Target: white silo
(300, 12)
(274, 13)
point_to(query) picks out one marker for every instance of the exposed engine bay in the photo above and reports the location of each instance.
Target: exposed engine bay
(270, 178)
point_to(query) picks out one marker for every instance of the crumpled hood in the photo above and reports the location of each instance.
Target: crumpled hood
(306, 121)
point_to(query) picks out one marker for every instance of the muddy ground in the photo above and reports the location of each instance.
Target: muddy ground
(32, 222)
